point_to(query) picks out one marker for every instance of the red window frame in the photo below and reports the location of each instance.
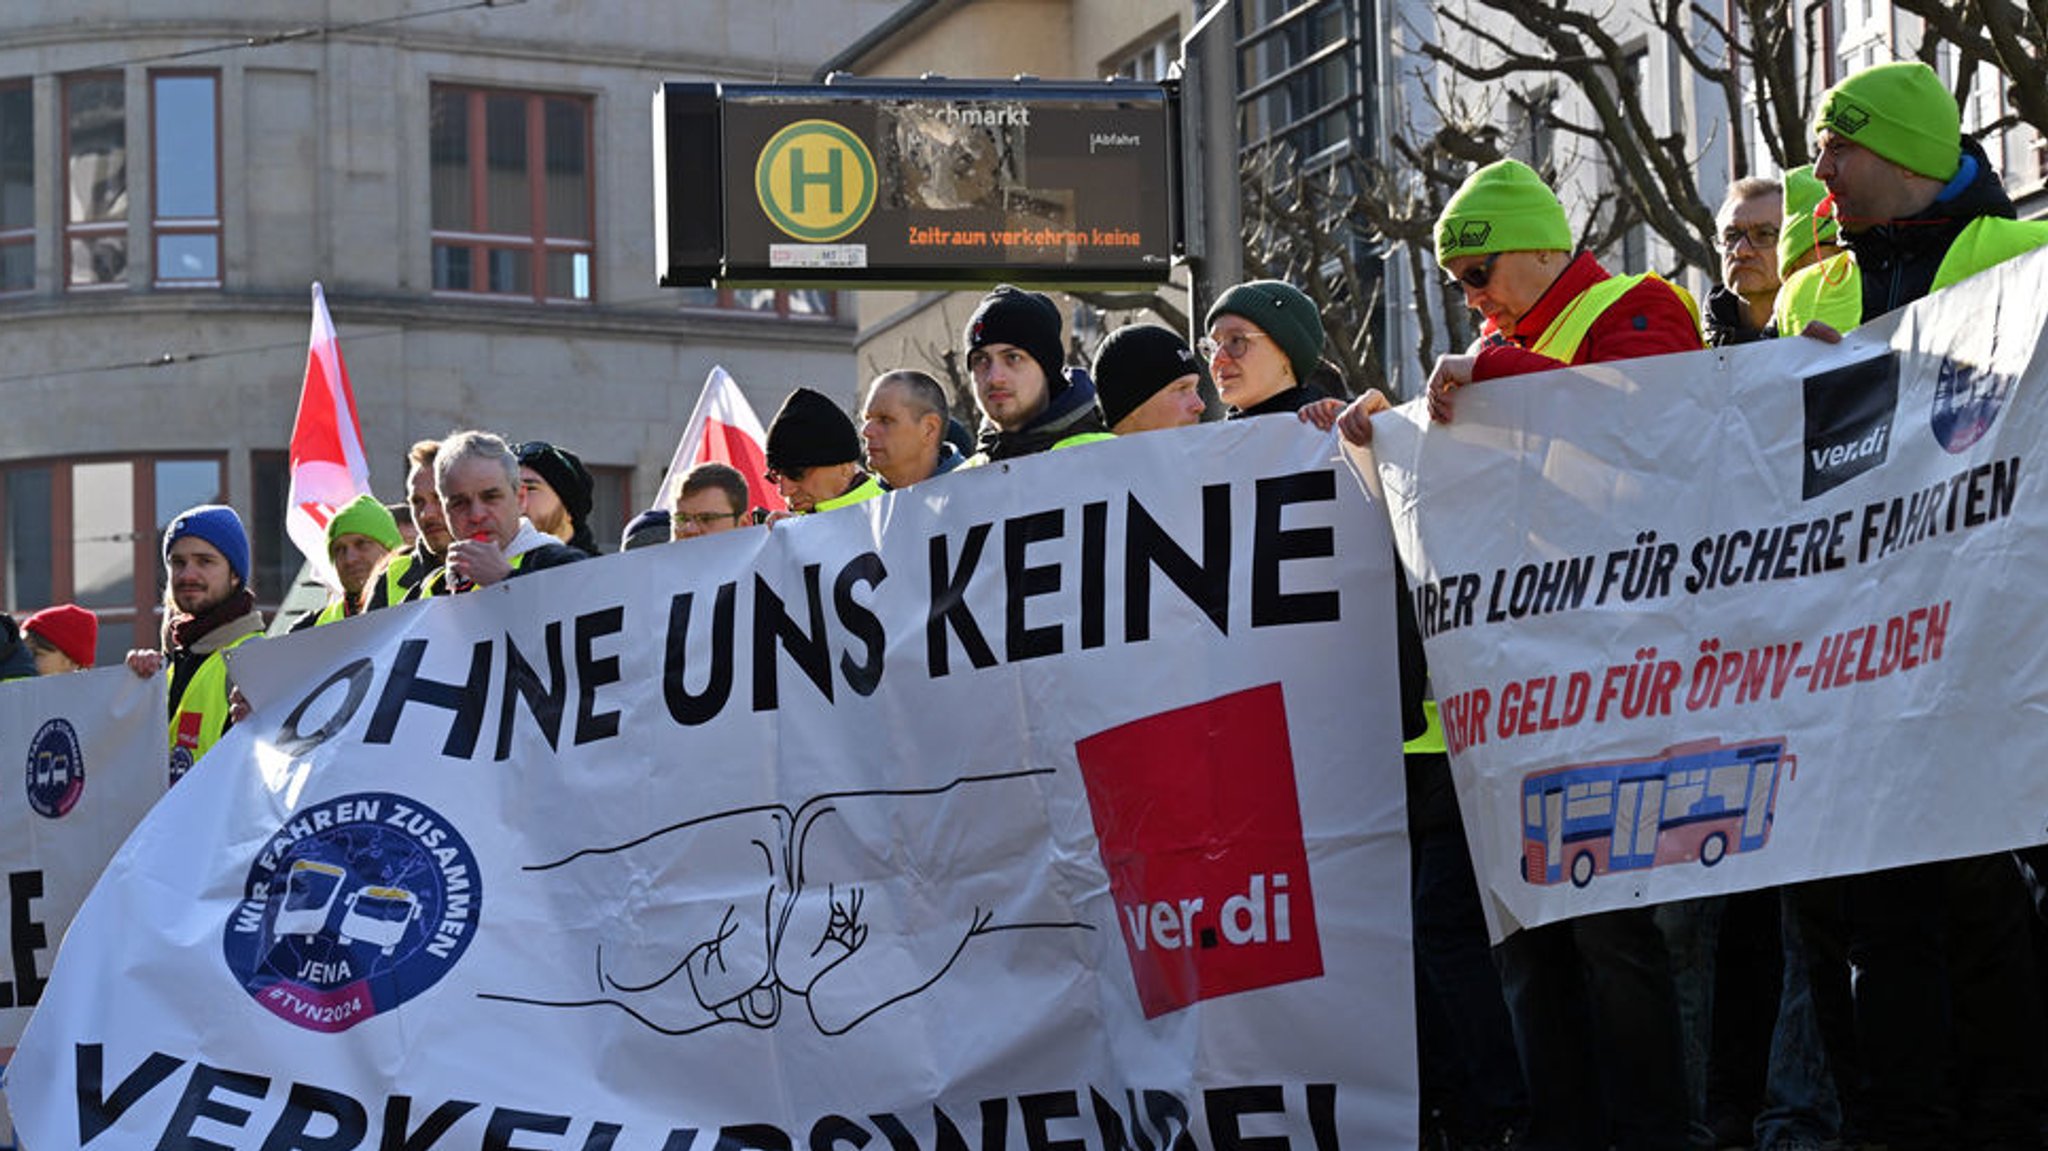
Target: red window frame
(537, 243)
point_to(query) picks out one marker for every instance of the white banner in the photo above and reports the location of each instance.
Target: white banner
(81, 761)
(1020, 805)
(1730, 619)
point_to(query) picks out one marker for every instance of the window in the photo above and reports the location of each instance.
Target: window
(1153, 60)
(784, 303)
(512, 193)
(1301, 78)
(95, 181)
(86, 532)
(611, 504)
(17, 188)
(185, 153)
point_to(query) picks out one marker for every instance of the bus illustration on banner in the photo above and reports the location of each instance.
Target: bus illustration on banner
(1694, 801)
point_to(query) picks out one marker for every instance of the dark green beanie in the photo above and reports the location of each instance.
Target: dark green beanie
(1283, 313)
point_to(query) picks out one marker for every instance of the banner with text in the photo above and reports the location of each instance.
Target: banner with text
(1731, 619)
(83, 759)
(1025, 807)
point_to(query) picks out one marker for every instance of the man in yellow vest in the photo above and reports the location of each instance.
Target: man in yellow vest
(477, 477)
(1919, 205)
(406, 570)
(211, 611)
(359, 538)
(1931, 1041)
(814, 455)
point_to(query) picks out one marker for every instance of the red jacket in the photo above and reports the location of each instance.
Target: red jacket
(1648, 320)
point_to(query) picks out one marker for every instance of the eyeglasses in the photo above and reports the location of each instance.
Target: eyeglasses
(793, 475)
(1478, 275)
(704, 520)
(1235, 345)
(1759, 237)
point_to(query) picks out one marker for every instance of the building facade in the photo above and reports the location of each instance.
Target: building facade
(473, 187)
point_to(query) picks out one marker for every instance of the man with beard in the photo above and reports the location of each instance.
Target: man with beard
(406, 571)
(211, 611)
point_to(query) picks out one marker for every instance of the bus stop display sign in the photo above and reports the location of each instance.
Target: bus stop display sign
(918, 183)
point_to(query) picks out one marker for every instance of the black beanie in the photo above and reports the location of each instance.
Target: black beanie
(810, 431)
(1136, 363)
(1029, 320)
(563, 471)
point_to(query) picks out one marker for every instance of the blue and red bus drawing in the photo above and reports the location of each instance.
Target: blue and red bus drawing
(1694, 801)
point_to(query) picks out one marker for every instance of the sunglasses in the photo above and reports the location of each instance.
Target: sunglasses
(793, 475)
(1478, 275)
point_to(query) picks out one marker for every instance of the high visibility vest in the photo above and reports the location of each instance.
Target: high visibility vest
(867, 489)
(394, 572)
(1832, 290)
(1562, 339)
(202, 712)
(335, 609)
(1432, 738)
(980, 459)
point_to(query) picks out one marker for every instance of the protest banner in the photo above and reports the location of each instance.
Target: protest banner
(1017, 809)
(84, 760)
(1730, 619)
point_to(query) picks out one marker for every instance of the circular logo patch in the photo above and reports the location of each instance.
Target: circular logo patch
(56, 770)
(1967, 400)
(355, 906)
(816, 180)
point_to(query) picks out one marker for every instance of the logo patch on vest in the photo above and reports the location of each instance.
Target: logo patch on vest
(1848, 422)
(1967, 400)
(354, 906)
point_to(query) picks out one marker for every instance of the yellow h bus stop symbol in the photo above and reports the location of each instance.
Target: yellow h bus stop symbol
(816, 180)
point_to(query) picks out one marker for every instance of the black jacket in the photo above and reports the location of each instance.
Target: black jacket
(1727, 319)
(1292, 400)
(1898, 259)
(1072, 411)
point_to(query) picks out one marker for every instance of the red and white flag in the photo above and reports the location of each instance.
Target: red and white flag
(328, 465)
(723, 429)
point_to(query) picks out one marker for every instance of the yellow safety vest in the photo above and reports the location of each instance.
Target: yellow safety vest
(980, 459)
(1432, 738)
(202, 713)
(1832, 290)
(394, 591)
(1560, 341)
(867, 489)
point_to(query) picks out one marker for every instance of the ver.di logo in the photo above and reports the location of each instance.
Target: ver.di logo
(56, 769)
(355, 906)
(815, 180)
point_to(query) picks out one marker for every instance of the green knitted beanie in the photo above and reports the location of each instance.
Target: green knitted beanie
(1503, 207)
(365, 517)
(1901, 112)
(1282, 312)
(1802, 231)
